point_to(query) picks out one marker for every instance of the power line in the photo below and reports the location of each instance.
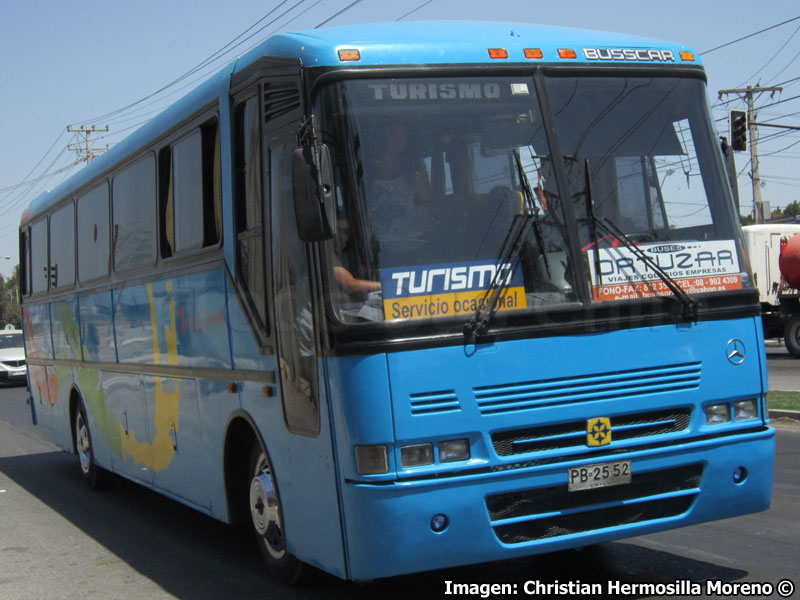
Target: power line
(142, 103)
(341, 12)
(41, 160)
(774, 56)
(755, 33)
(792, 145)
(411, 12)
(789, 63)
(207, 61)
(40, 177)
(781, 101)
(220, 53)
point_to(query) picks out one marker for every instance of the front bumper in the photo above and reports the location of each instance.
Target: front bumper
(13, 374)
(388, 526)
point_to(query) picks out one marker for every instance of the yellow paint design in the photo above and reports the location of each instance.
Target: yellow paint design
(159, 454)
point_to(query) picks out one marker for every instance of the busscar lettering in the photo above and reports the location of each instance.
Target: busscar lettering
(631, 54)
(415, 91)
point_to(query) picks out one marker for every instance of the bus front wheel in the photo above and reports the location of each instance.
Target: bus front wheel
(267, 520)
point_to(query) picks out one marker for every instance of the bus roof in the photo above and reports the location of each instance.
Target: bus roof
(409, 43)
(450, 42)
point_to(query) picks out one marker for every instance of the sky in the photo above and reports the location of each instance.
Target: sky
(97, 63)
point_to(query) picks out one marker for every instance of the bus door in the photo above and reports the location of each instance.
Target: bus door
(295, 426)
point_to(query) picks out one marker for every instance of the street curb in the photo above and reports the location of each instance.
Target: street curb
(784, 414)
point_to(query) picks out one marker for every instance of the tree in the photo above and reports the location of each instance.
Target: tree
(9, 300)
(792, 209)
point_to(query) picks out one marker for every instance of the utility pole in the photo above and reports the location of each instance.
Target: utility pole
(752, 130)
(85, 151)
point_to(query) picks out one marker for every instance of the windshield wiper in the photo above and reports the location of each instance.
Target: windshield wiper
(520, 226)
(689, 303)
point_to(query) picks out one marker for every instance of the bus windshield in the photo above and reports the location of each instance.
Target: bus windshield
(448, 192)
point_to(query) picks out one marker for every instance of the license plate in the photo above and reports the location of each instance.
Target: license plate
(589, 477)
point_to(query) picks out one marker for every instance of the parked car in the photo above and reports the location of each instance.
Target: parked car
(12, 356)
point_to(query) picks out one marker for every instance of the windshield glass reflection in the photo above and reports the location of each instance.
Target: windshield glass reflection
(428, 190)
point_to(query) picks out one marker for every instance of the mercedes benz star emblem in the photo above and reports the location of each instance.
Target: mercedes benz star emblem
(735, 351)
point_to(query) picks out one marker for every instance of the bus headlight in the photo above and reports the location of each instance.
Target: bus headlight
(745, 409)
(718, 413)
(416, 456)
(372, 460)
(453, 450)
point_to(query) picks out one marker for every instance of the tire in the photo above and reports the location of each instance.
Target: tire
(95, 477)
(791, 335)
(267, 520)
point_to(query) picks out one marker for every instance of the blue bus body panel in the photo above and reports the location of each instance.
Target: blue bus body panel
(549, 388)
(168, 431)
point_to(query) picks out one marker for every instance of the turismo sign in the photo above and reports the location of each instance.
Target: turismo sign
(444, 290)
(697, 267)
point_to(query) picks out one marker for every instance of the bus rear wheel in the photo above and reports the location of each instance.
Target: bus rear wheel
(95, 477)
(267, 520)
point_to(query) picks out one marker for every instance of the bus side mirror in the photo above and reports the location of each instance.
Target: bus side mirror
(312, 184)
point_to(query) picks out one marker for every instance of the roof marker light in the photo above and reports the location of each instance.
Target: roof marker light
(567, 53)
(687, 56)
(349, 54)
(498, 53)
(533, 53)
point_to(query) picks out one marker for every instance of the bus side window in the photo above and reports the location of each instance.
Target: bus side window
(25, 262)
(93, 234)
(62, 246)
(249, 209)
(39, 268)
(134, 212)
(190, 191)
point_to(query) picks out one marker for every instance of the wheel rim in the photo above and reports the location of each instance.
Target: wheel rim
(82, 443)
(265, 510)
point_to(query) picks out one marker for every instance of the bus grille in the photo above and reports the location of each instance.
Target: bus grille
(621, 384)
(528, 515)
(573, 434)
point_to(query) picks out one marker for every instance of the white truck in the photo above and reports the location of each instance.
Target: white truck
(780, 301)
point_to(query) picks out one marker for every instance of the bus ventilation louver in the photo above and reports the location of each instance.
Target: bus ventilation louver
(430, 403)
(544, 513)
(280, 99)
(622, 384)
(573, 434)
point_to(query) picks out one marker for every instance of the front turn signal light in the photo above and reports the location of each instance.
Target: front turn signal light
(372, 460)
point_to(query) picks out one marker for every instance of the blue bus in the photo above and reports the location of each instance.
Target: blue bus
(409, 296)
